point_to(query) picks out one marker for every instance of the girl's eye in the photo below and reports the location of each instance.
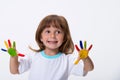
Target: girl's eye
(47, 31)
(58, 32)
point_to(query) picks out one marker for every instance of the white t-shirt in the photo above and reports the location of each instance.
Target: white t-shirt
(57, 67)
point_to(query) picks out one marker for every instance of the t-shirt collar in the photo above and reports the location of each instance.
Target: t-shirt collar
(50, 57)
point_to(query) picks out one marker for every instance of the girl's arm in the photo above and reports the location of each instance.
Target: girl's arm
(14, 64)
(83, 54)
(88, 65)
(11, 49)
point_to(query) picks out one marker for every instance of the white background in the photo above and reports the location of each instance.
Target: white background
(97, 21)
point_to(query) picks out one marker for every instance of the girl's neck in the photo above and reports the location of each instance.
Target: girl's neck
(50, 52)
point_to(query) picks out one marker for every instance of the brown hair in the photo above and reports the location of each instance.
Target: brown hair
(60, 22)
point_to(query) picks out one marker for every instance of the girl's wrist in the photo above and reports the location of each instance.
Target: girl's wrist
(85, 59)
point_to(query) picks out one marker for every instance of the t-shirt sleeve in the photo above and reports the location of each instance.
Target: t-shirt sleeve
(78, 69)
(25, 63)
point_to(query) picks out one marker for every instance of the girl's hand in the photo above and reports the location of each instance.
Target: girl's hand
(11, 49)
(83, 53)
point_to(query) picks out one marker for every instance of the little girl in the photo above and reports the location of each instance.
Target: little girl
(54, 59)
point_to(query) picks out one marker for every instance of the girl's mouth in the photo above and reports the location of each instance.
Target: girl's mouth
(52, 42)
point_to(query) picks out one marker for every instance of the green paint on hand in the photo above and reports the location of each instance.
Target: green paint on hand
(12, 52)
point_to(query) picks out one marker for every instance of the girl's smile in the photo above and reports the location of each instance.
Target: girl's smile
(52, 42)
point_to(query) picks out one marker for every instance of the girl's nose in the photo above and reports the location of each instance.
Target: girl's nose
(52, 35)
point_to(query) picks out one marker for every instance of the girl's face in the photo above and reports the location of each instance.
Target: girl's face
(52, 38)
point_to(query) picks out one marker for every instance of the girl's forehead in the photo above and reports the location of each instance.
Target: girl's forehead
(52, 27)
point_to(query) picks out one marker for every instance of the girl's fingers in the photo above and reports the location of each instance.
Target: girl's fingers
(90, 47)
(14, 45)
(9, 43)
(6, 45)
(4, 50)
(76, 62)
(81, 45)
(22, 55)
(77, 48)
(85, 44)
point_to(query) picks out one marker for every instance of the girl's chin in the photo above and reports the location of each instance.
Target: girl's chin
(52, 48)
